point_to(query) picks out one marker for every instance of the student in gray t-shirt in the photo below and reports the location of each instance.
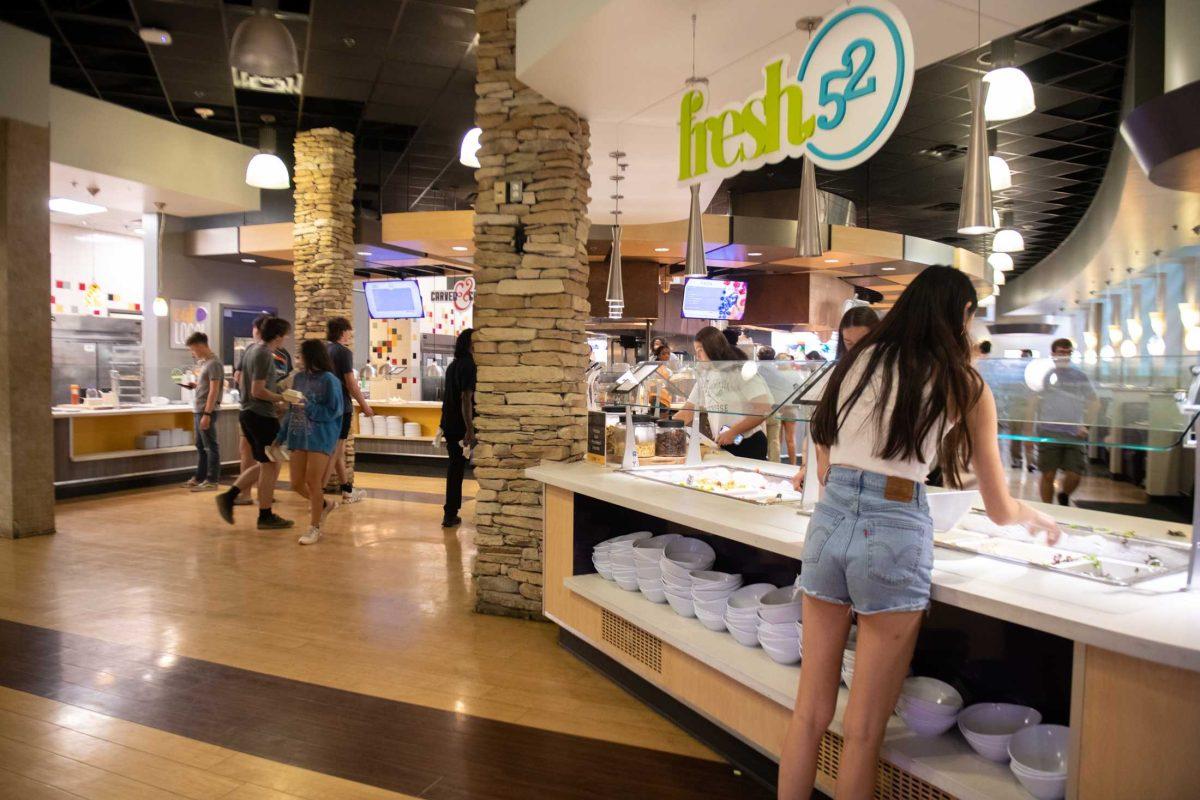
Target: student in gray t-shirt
(208, 388)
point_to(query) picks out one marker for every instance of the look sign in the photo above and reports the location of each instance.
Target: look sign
(838, 108)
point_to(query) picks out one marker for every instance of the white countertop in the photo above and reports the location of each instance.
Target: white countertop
(1153, 620)
(403, 403)
(170, 408)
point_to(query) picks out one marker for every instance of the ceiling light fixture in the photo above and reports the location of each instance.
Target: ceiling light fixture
(203, 112)
(1008, 239)
(458, 248)
(1010, 95)
(975, 207)
(888, 269)
(262, 44)
(362, 252)
(998, 278)
(155, 36)
(808, 216)
(267, 170)
(694, 265)
(999, 174)
(831, 261)
(755, 254)
(249, 261)
(665, 249)
(468, 150)
(77, 208)
(615, 294)
(1001, 262)
(159, 306)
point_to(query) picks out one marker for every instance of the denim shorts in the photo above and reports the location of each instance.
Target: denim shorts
(869, 543)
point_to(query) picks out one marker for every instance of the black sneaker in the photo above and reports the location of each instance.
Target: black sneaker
(450, 522)
(1064, 499)
(274, 522)
(225, 506)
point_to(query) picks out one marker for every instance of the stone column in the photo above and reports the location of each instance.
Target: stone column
(26, 429)
(530, 309)
(323, 236)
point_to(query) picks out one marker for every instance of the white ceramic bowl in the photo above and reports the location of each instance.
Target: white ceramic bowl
(681, 605)
(742, 636)
(651, 550)
(711, 579)
(780, 605)
(924, 723)
(778, 630)
(788, 653)
(716, 606)
(949, 507)
(931, 696)
(636, 536)
(1040, 749)
(689, 546)
(653, 572)
(988, 727)
(629, 584)
(603, 568)
(714, 622)
(683, 567)
(712, 595)
(1041, 786)
(748, 597)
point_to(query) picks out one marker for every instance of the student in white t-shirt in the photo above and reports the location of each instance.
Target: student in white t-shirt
(736, 399)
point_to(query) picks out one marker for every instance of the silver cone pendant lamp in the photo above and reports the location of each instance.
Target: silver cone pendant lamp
(975, 208)
(615, 295)
(694, 266)
(808, 220)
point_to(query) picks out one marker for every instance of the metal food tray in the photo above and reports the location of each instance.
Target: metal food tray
(1113, 570)
(649, 473)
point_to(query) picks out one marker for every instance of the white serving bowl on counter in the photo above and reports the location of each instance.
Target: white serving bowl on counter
(949, 507)
(780, 605)
(1039, 759)
(786, 651)
(747, 637)
(714, 622)
(652, 589)
(650, 551)
(929, 707)
(681, 604)
(988, 727)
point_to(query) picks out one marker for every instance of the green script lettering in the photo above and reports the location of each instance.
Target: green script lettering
(717, 132)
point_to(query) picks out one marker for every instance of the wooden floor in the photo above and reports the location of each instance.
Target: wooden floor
(381, 607)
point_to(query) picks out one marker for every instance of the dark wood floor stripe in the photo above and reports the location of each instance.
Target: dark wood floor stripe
(403, 747)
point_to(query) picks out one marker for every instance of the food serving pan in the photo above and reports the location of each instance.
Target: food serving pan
(777, 491)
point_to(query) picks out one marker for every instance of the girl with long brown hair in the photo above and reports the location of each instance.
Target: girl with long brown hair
(736, 401)
(907, 393)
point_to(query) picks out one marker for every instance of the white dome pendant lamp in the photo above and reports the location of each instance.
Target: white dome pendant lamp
(267, 170)
(1008, 239)
(1010, 94)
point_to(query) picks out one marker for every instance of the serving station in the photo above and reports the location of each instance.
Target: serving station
(1098, 633)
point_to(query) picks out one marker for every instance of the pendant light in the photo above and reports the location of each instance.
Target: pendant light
(1010, 94)
(1133, 325)
(693, 257)
(1008, 239)
(159, 307)
(975, 208)
(1091, 341)
(999, 175)
(1115, 333)
(615, 295)
(1001, 262)
(468, 151)
(267, 170)
(998, 278)
(808, 220)
(262, 45)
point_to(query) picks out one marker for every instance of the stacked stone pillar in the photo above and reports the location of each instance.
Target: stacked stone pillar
(323, 235)
(530, 309)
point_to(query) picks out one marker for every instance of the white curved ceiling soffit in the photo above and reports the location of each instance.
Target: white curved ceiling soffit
(621, 64)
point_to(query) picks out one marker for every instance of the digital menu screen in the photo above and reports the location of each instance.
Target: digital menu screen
(398, 299)
(705, 298)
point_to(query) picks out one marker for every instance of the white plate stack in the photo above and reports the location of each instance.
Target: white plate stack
(778, 631)
(988, 727)
(929, 707)
(680, 559)
(710, 595)
(741, 613)
(366, 425)
(394, 427)
(1039, 759)
(412, 430)
(848, 656)
(620, 554)
(647, 554)
(602, 554)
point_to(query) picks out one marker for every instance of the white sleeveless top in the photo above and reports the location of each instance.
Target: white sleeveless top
(860, 438)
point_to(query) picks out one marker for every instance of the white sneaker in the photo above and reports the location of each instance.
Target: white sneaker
(355, 496)
(190, 482)
(278, 454)
(312, 537)
(207, 486)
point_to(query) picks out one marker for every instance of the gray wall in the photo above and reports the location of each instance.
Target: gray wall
(214, 282)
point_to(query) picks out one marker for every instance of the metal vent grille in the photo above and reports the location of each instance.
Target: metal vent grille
(892, 782)
(631, 640)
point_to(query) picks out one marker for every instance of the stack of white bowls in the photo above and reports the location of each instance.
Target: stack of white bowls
(928, 706)
(848, 656)
(988, 727)
(602, 553)
(778, 631)
(680, 559)
(647, 553)
(741, 612)
(710, 596)
(366, 425)
(394, 427)
(620, 554)
(1039, 760)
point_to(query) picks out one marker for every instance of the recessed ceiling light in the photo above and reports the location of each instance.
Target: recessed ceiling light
(203, 112)
(458, 248)
(888, 269)
(363, 252)
(155, 36)
(831, 261)
(249, 261)
(66, 205)
(754, 254)
(665, 249)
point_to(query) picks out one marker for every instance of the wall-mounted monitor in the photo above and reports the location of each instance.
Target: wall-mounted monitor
(398, 299)
(705, 298)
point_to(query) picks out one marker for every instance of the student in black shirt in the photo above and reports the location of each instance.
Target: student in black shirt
(458, 422)
(343, 369)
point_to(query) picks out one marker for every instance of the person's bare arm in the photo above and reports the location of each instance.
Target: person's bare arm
(357, 395)
(259, 391)
(685, 414)
(993, 482)
(468, 415)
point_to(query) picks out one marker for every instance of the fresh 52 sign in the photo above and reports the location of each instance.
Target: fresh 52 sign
(838, 108)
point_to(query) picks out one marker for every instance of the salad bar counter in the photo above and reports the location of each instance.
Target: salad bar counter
(1095, 633)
